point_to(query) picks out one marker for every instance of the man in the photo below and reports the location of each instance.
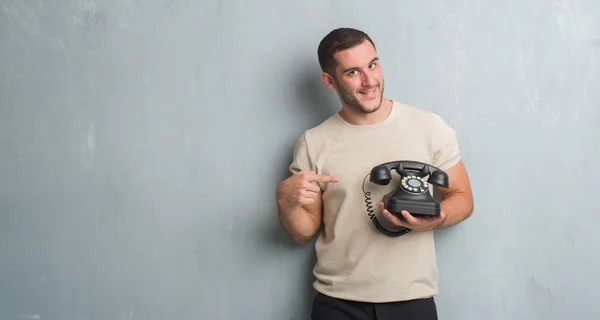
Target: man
(362, 273)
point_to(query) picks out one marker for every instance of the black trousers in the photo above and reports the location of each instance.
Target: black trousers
(328, 308)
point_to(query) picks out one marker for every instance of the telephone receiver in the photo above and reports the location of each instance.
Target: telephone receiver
(412, 193)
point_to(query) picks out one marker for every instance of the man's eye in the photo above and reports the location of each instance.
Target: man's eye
(353, 72)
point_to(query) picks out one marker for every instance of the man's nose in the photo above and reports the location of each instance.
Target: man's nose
(368, 79)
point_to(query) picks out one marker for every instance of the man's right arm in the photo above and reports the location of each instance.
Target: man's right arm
(300, 221)
(300, 204)
(299, 201)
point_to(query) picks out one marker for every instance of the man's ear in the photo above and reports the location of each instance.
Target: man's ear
(328, 80)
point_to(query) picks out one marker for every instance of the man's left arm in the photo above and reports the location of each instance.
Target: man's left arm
(457, 200)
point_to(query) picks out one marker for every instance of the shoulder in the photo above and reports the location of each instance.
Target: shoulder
(320, 131)
(439, 136)
(325, 126)
(425, 118)
(316, 133)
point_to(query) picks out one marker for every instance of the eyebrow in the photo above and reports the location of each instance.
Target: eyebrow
(350, 69)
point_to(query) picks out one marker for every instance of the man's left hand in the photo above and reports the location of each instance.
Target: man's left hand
(412, 222)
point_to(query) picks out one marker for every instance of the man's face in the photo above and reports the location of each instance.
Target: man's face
(359, 78)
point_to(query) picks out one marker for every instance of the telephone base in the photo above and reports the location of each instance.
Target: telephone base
(415, 208)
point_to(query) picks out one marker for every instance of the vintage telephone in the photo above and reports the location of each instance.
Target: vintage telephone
(412, 194)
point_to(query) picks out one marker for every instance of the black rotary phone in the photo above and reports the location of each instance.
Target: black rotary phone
(412, 194)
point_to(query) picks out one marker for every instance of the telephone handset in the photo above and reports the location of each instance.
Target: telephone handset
(412, 194)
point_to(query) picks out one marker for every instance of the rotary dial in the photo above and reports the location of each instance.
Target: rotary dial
(414, 184)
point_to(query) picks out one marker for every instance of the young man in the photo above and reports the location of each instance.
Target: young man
(362, 272)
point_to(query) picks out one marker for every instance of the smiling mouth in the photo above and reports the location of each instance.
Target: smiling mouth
(368, 93)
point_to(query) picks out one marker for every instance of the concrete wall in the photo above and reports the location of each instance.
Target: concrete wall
(141, 143)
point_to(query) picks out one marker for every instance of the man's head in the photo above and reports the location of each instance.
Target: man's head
(348, 59)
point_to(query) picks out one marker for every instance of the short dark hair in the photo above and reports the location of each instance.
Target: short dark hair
(337, 40)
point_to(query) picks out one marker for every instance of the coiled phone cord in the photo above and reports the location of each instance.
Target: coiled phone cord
(373, 218)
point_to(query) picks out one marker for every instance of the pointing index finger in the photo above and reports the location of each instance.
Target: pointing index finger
(321, 178)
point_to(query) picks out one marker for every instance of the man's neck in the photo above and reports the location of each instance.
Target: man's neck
(365, 119)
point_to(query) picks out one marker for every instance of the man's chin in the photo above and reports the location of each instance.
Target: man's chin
(370, 107)
(368, 110)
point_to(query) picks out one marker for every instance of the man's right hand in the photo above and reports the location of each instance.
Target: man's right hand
(300, 189)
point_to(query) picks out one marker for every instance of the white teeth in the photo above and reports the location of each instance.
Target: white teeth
(369, 92)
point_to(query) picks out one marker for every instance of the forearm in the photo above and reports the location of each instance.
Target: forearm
(299, 223)
(457, 207)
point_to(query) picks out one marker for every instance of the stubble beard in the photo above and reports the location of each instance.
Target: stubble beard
(352, 102)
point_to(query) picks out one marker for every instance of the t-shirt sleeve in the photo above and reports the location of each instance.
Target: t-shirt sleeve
(446, 152)
(300, 159)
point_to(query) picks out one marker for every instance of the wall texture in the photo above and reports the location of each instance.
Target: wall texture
(141, 143)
